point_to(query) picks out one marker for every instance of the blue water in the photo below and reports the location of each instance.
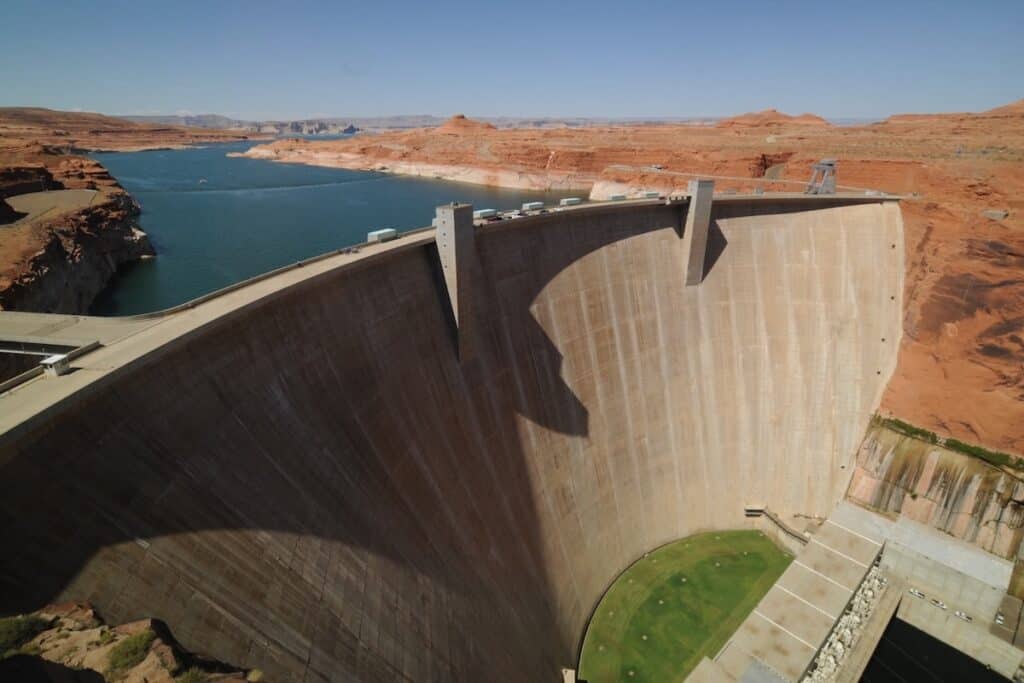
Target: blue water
(252, 216)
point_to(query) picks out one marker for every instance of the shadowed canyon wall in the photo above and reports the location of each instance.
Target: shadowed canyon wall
(316, 486)
(956, 493)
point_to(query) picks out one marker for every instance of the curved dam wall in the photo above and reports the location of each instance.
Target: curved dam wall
(313, 484)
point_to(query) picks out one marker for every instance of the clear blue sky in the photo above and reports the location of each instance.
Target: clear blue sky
(844, 58)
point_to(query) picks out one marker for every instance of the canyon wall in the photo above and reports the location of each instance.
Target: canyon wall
(309, 481)
(77, 255)
(959, 494)
(59, 259)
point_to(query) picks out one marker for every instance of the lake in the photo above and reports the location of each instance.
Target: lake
(215, 220)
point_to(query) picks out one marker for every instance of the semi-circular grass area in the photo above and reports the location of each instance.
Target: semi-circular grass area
(677, 604)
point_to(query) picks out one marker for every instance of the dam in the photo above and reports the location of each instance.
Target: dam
(312, 474)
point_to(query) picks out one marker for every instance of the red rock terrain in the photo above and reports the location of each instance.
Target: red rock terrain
(771, 117)
(961, 368)
(78, 131)
(61, 259)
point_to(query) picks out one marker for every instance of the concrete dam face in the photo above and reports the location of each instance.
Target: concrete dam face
(304, 476)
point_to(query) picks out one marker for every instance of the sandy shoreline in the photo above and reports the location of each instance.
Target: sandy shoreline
(491, 177)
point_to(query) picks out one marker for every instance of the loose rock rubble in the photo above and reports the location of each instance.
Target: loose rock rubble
(848, 629)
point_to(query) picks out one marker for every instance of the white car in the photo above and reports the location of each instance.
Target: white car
(916, 593)
(961, 614)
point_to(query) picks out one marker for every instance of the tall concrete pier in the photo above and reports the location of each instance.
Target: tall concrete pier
(300, 475)
(456, 248)
(695, 232)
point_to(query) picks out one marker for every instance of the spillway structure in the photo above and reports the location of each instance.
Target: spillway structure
(427, 460)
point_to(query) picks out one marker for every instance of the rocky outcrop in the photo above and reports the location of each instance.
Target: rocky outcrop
(770, 118)
(21, 179)
(58, 260)
(80, 254)
(70, 642)
(955, 493)
(459, 124)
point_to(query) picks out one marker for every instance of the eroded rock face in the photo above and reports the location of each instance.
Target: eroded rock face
(76, 256)
(70, 642)
(21, 178)
(58, 262)
(955, 493)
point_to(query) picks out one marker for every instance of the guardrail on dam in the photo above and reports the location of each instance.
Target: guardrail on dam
(301, 475)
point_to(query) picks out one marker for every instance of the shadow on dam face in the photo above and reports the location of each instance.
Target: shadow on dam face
(315, 486)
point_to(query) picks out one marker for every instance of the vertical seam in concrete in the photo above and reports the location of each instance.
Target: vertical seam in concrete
(704, 402)
(670, 403)
(765, 384)
(794, 394)
(634, 317)
(534, 476)
(620, 367)
(843, 448)
(822, 397)
(448, 449)
(547, 487)
(742, 434)
(482, 448)
(577, 449)
(598, 390)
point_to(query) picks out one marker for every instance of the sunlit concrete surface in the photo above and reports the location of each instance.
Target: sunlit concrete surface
(787, 628)
(300, 475)
(971, 638)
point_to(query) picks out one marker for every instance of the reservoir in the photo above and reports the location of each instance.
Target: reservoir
(215, 220)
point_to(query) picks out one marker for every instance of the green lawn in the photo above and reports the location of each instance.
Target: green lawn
(678, 604)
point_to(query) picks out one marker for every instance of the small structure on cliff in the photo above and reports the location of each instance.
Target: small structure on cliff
(823, 178)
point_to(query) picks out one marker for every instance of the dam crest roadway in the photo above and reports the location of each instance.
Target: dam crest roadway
(362, 467)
